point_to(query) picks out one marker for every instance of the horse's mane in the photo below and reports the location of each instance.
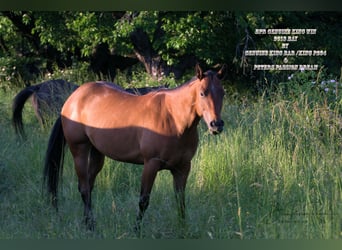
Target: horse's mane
(208, 73)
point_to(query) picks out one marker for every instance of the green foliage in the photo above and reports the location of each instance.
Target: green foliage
(7, 33)
(318, 88)
(197, 33)
(77, 74)
(91, 29)
(14, 69)
(122, 28)
(140, 78)
(210, 36)
(50, 28)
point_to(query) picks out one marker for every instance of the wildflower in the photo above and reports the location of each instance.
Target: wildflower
(326, 90)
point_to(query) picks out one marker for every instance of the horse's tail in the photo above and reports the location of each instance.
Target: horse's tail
(54, 158)
(18, 105)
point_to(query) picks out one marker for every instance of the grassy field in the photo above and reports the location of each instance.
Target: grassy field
(274, 173)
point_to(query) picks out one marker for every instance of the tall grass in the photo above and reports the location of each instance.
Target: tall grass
(274, 173)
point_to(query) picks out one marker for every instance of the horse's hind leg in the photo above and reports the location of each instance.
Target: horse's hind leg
(88, 162)
(96, 161)
(37, 106)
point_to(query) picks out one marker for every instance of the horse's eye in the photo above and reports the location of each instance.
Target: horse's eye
(204, 93)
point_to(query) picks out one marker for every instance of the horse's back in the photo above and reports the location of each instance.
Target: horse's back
(93, 101)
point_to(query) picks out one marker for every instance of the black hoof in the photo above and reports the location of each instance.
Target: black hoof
(90, 224)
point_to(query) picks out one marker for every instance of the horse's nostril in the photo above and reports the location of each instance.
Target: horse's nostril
(219, 123)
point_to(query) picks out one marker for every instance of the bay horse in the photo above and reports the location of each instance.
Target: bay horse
(158, 130)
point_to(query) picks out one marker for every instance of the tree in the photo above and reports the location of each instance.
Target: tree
(171, 42)
(164, 42)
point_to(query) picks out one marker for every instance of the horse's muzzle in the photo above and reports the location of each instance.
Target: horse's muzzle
(216, 127)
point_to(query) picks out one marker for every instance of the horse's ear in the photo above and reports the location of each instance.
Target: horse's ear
(222, 72)
(199, 72)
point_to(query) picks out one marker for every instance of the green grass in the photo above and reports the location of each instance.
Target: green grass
(274, 173)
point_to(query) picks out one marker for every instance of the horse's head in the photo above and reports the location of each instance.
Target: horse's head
(209, 98)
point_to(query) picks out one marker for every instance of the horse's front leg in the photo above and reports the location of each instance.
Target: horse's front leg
(151, 168)
(180, 176)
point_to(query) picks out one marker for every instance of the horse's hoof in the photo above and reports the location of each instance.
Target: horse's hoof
(90, 224)
(137, 229)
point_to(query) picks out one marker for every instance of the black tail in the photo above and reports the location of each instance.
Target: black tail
(54, 160)
(18, 105)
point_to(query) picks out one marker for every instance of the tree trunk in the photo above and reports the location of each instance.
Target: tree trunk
(153, 63)
(145, 53)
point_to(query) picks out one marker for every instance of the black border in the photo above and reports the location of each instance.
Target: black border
(173, 5)
(170, 244)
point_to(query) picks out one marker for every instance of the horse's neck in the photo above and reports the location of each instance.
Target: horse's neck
(182, 106)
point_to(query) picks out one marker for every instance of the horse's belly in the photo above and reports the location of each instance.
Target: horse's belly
(126, 155)
(117, 144)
